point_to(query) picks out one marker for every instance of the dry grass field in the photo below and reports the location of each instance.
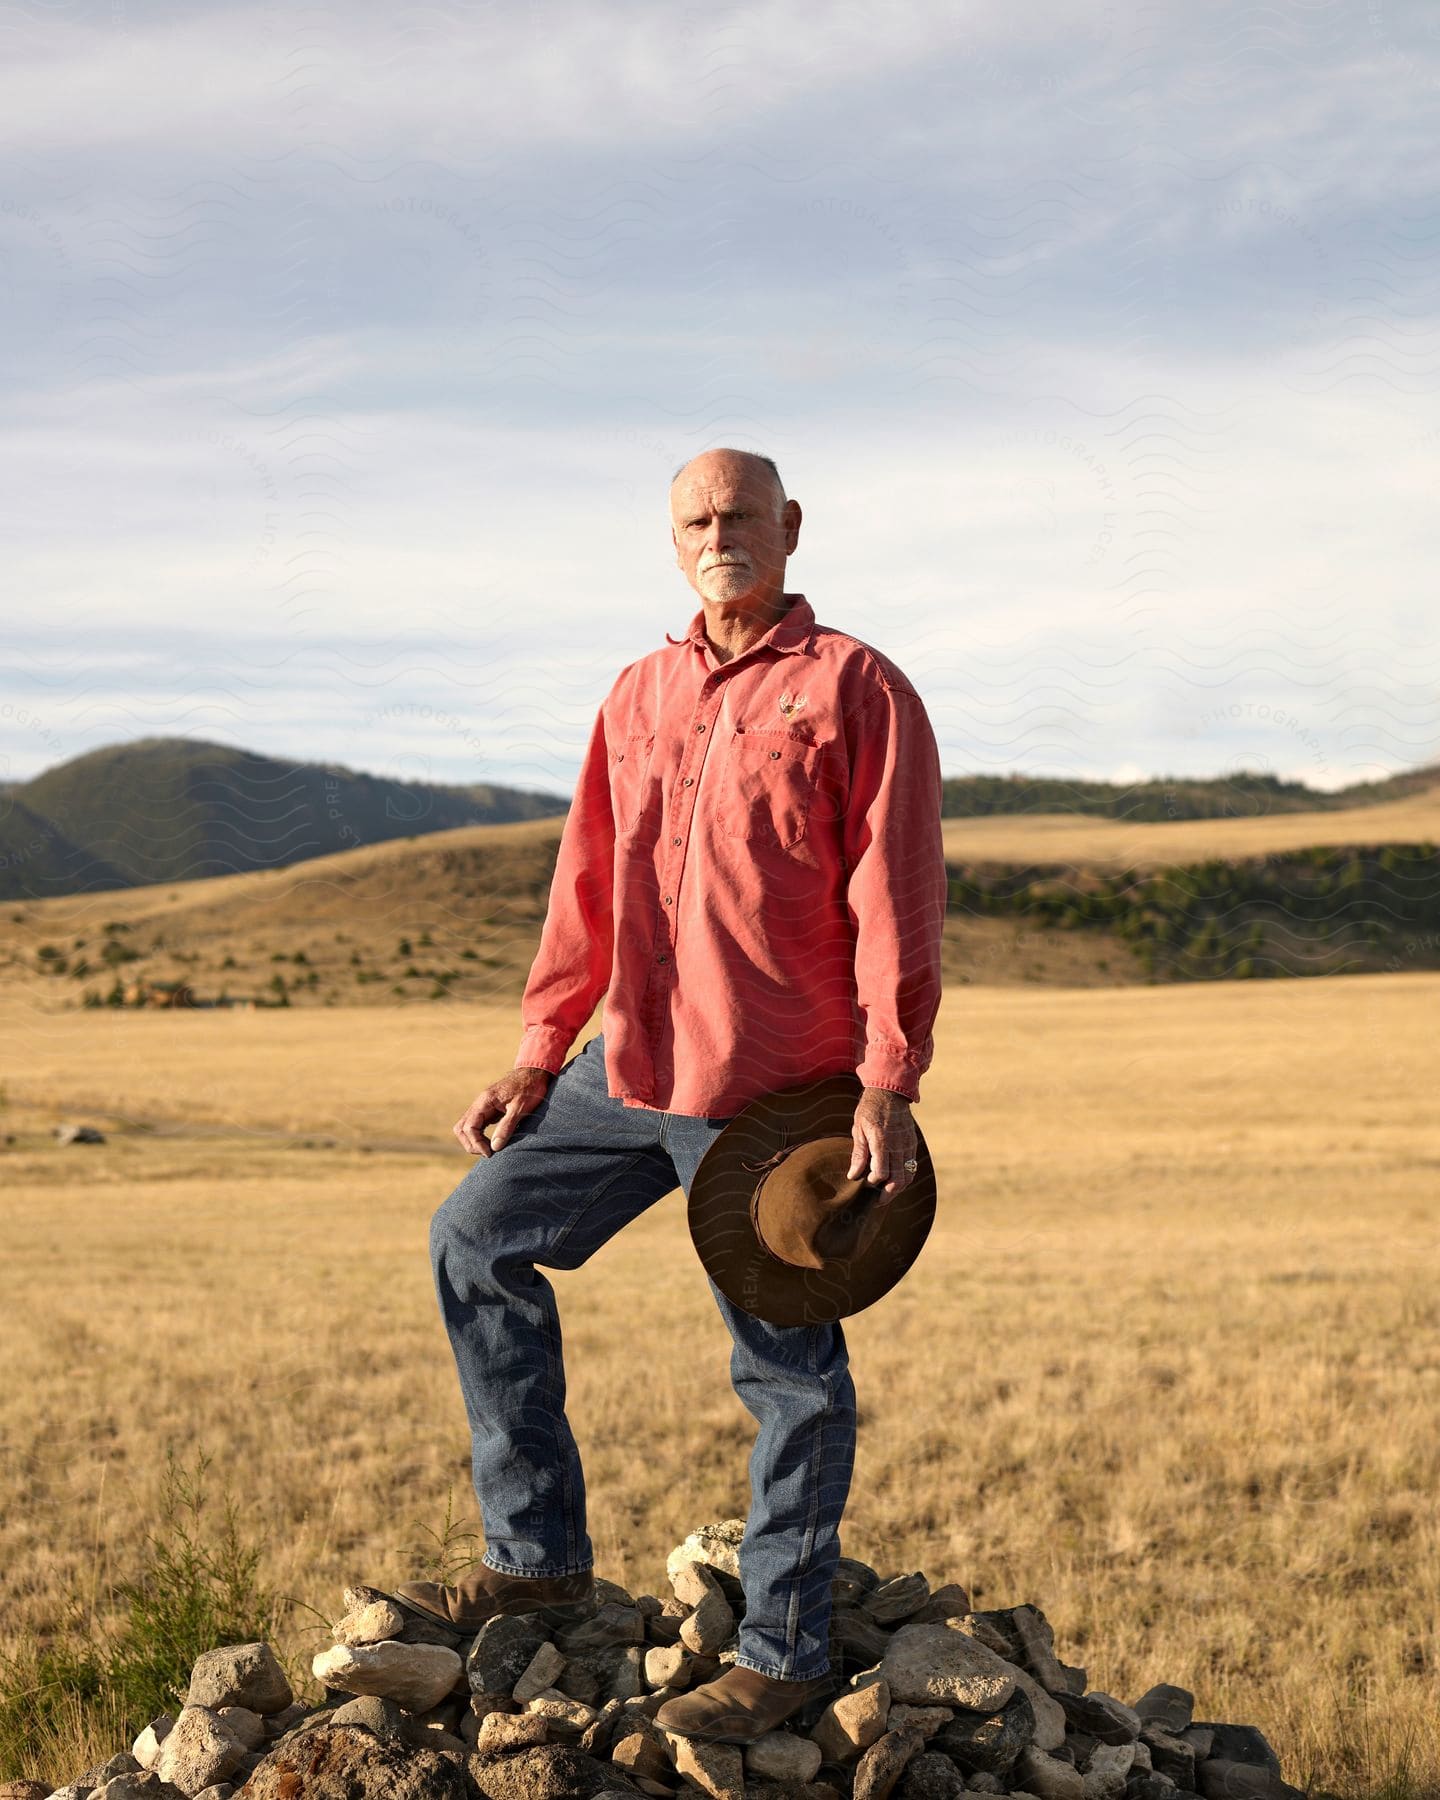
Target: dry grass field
(1169, 1366)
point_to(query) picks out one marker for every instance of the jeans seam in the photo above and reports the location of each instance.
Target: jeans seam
(807, 1543)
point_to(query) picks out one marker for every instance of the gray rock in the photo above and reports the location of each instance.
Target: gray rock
(1049, 1714)
(1166, 1708)
(239, 1675)
(199, 1751)
(123, 1763)
(1220, 1779)
(852, 1721)
(930, 1776)
(983, 1782)
(782, 1756)
(25, 1790)
(989, 1741)
(879, 1770)
(141, 1784)
(1148, 1786)
(1102, 1715)
(1037, 1772)
(894, 1601)
(377, 1712)
(717, 1546)
(929, 1664)
(1170, 1756)
(611, 1624)
(502, 1651)
(710, 1626)
(856, 1641)
(1105, 1770)
(79, 1134)
(1241, 1744)
(247, 1727)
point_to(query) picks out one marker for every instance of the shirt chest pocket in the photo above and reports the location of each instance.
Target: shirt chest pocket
(629, 778)
(767, 789)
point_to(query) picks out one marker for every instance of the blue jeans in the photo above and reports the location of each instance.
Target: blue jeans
(578, 1168)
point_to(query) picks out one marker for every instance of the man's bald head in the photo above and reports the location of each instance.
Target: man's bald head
(749, 463)
(733, 527)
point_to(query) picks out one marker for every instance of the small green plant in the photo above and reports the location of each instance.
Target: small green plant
(94, 1682)
(442, 1558)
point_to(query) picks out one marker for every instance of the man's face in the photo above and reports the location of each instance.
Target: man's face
(730, 530)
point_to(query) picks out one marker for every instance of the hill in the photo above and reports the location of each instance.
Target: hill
(1048, 900)
(180, 809)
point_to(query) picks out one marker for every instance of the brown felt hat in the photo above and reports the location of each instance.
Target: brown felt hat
(783, 1230)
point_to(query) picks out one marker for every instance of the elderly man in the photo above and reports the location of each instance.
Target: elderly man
(751, 875)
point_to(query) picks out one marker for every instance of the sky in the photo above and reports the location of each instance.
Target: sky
(350, 352)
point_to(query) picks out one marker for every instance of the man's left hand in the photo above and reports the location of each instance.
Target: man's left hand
(884, 1135)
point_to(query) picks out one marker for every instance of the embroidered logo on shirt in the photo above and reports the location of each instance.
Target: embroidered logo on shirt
(790, 704)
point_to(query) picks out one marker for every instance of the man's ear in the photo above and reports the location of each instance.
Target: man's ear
(792, 517)
(676, 542)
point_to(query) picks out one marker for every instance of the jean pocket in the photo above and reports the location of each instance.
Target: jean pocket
(769, 783)
(629, 778)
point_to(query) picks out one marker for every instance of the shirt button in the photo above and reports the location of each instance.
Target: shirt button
(699, 727)
(774, 754)
(662, 959)
(689, 781)
(667, 899)
(674, 840)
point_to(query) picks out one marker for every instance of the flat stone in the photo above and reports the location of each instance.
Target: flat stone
(879, 1770)
(502, 1652)
(926, 1664)
(643, 1757)
(568, 1718)
(782, 1756)
(417, 1675)
(852, 1722)
(856, 1641)
(145, 1784)
(239, 1675)
(1046, 1776)
(541, 1672)
(982, 1782)
(370, 1624)
(894, 1601)
(1165, 1708)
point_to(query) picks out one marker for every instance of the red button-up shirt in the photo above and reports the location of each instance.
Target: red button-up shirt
(751, 872)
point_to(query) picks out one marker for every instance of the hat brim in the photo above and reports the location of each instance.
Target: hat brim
(733, 1256)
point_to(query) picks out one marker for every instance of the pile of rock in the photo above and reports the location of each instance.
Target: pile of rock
(931, 1701)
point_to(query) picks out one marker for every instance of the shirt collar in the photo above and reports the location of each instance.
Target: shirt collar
(790, 632)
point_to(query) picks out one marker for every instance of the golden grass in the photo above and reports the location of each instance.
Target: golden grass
(1168, 1367)
(1116, 844)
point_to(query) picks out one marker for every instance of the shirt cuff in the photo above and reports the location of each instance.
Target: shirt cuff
(543, 1047)
(895, 1071)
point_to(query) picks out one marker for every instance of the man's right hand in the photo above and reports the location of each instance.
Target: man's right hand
(516, 1093)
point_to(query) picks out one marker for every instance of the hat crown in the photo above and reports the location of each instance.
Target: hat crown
(808, 1210)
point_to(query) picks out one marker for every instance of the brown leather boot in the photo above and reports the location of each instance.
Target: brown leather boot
(738, 1706)
(483, 1593)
